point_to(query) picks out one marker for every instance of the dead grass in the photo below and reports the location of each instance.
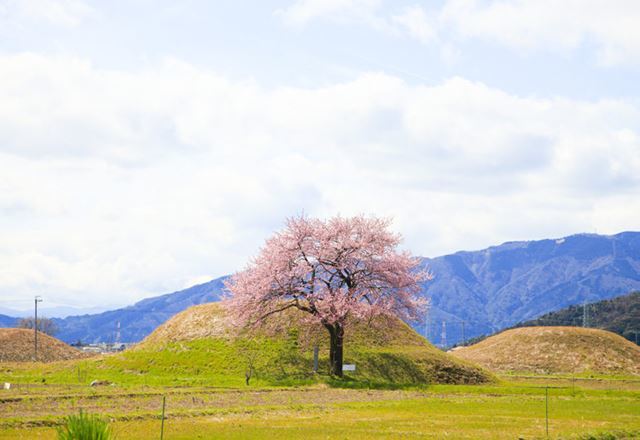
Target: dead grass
(210, 321)
(17, 345)
(552, 350)
(201, 321)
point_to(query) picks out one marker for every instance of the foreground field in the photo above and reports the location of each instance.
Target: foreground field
(508, 410)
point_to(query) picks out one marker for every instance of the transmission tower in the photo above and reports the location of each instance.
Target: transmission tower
(443, 336)
(427, 332)
(585, 315)
(117, 332)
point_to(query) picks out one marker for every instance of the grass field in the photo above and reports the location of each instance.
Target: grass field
(507, 410)
(403, 388)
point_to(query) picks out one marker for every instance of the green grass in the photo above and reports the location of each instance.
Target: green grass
(83, 426)
(499, 411)
(397, 391)
(222, 363)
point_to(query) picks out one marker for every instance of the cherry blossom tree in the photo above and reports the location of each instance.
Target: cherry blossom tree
(332, 270)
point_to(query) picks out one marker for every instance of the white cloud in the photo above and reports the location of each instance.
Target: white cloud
(303, 11)
(411, 21)
(611, 26)
(542, 25)
(116, 185)
(417, 23)
(64, 13)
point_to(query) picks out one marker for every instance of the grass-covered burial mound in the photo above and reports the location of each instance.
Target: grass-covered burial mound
(17, 345)
(201, 342)
(569, 350)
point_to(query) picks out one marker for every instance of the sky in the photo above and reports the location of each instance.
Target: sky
(146, 146)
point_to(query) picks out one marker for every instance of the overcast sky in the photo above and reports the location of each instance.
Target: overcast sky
(149, 145)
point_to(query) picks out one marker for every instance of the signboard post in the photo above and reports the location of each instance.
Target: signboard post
(315, 358)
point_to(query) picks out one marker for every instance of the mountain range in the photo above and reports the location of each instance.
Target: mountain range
(472, 292)
(133, 323)
(497, 287)
(8, 321)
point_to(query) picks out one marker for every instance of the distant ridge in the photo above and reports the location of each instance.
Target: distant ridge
(138, 320)
(620, 315)
(497, 287)
(483, 291)
(8, 321)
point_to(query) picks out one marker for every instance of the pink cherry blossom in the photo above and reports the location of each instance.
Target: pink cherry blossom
(333, 270)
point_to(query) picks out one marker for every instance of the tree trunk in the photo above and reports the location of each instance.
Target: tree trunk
(336, 332)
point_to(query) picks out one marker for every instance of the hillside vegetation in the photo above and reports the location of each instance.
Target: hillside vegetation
(385, 350)
(550, 350)
(619, 315)
(17, 345)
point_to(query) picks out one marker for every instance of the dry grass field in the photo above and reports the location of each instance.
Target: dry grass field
(17, 345)
(552, 350)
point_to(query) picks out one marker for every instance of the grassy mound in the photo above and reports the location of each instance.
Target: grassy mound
(386, 351)
(198, 347)
(571, 350)
(16, 345)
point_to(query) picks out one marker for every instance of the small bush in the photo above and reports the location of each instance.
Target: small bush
(84, 427)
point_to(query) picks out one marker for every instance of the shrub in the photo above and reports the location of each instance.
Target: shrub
(84, 427)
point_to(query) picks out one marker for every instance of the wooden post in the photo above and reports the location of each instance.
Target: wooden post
(546, 409)
(164, 400)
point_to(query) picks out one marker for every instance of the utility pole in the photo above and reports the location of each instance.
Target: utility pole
(585, 315)
(463, 338)
(36, 300)
(427, 332)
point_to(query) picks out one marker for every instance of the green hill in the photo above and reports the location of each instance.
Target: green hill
(199, 347)
(385, 350)
(619, 315)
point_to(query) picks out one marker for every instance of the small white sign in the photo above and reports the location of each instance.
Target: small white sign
(7, 386)
(348, 367)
